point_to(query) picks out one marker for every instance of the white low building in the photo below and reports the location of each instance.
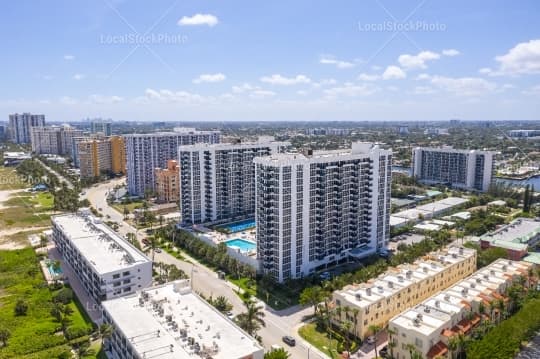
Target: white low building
(107, 265)
(172, 322)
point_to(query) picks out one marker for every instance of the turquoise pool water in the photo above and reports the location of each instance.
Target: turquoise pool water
(239, 226)
(245, 246)
(54, 273)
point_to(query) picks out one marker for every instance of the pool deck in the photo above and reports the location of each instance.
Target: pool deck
(249, 235)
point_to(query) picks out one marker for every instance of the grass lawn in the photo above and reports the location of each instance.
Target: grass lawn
(37, 331)
(9, 179)
(20, 238)
(278, 297)
(130, 206)
(321, 340)
(27, 210)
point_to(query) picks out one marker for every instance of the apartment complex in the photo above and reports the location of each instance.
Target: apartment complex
(524, 133)
(380, 299)
(516, 237)
(146, 152)
(54, 140)
(20, 125)
(462, 169)
(320, 208)
(218, 180)
(457, 310)
(172, 322)
(105, 263)
(168, 183)
(101, 155)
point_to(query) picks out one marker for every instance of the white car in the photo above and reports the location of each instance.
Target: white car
(371, 339)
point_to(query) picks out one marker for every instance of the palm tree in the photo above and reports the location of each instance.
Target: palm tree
(126, 213)
(277, 354)
(83, 349)
(374, 329)
(453, 344)
(346, 328)
(463, 343)
(222, 304)
(311, 296)
(412, 350)
(251, 320)
(105, 332)
(391, 343)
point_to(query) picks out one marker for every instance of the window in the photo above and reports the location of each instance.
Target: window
(125, 273)
(116, 276)
(418, 342)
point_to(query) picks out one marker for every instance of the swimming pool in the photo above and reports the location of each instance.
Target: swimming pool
(242, 244)
(239, 226)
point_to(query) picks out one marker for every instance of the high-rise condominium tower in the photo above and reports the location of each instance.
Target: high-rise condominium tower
(146, 152)
(463, 169)
(218, 181)
(321, 208)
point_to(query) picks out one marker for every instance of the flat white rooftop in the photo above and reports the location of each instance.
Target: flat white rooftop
(98, 243)
(394, 280)
(520, 230)
(159, 322)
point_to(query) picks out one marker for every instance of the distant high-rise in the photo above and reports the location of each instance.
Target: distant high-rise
(462, 169)
(98, 125)
(321, 208)
(146, 152)
(218, 181)
(55, 140)
(20, 125)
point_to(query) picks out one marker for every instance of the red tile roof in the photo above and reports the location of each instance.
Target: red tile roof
(438, 349)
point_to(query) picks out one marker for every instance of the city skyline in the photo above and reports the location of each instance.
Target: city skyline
(379, 60)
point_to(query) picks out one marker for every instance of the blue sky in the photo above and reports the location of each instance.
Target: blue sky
(277, 60)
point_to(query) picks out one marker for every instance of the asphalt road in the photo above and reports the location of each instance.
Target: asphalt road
(205, 281)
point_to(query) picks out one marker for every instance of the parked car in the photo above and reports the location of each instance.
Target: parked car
(384, 351)
(289, 340)
(371, 339)
(158, 250)
(325, 275)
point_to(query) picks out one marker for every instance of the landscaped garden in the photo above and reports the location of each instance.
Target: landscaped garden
(37, 321)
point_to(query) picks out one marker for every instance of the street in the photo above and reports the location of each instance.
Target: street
(205, 281)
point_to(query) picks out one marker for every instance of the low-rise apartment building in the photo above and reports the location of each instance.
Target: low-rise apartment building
(429, 326)
(106, 264)
(516, 237)
(172, 322)
(380, 299)
(168, 183)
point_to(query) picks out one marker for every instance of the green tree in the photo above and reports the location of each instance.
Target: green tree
(312, 296)
(5, 334)
(105, 332)
(83, 349)
(277, 354)
(222, 304)
(21, 307)
(252, 319)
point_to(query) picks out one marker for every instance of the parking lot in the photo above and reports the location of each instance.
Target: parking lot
(407, 238)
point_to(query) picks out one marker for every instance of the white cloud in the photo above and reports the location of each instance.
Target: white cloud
(485, 71)
(245, 87)
(301, 93)
(423, 77)
(262, 94)
(463, 86)
(169, 96)
(524, 58)
(417, 61)
(423, 90)
(78, 77)
(209, 78)
(66, 100)
(368, 77)
(393, 73)
(277, 79)
(450, 52)
(350, 90)
(69, 57)
(532, 91)
(199, 19)
(329, 60)
(100, 99)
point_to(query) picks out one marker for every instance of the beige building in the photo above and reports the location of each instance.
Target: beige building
(429, 326)
(380, 299)
(101, 155)
(168, 183)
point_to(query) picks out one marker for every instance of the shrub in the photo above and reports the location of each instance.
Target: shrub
(21, 307)
(64, 296)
